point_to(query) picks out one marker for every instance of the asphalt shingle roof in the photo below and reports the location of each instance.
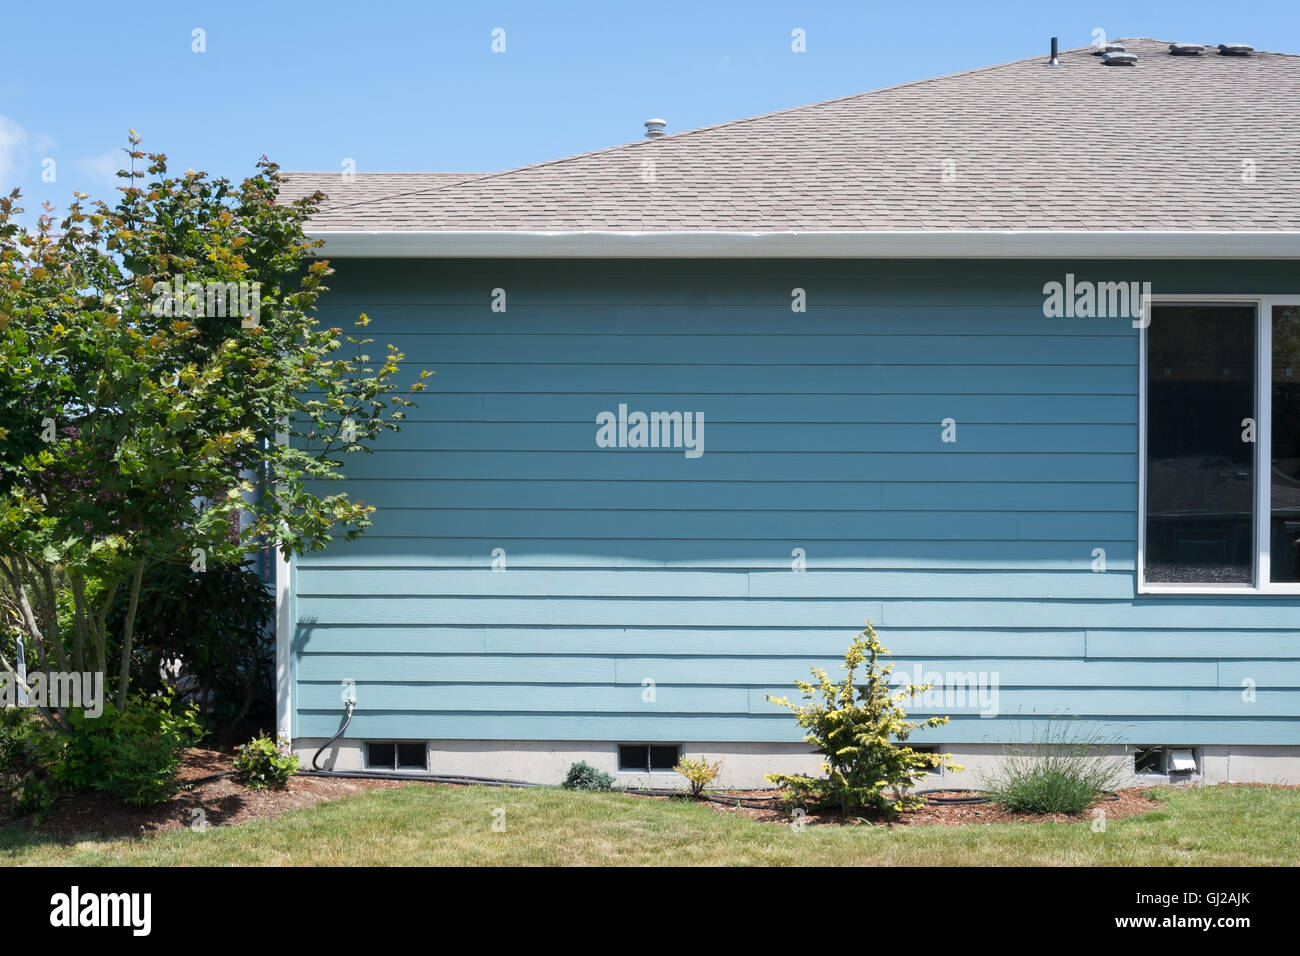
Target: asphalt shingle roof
(1162, 145)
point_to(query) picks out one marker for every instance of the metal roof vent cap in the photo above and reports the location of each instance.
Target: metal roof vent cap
(1235, 49)
(1186, 49)
(1119, 59)
(654, 128)
(1104, 48)
(1053, 60)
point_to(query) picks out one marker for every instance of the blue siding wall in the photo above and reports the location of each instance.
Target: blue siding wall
(822, 432)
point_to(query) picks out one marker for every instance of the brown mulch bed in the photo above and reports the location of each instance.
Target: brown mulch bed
(223, 801)
(1132, 800)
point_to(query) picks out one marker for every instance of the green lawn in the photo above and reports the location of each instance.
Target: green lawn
(422, 825)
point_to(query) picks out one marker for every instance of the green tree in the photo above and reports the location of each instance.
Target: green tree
(140, 409)
(861, 730)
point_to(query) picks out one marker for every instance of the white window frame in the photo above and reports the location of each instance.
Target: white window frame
(1263, 305)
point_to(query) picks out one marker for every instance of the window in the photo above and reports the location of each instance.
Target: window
(1284, 485)
(647, 758)
(1221, 445)
(1200, 473)
(391, 755)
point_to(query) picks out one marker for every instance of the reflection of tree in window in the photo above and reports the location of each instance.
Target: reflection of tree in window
(1200, 473)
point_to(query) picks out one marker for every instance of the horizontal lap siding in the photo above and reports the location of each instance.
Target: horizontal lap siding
(822, 433)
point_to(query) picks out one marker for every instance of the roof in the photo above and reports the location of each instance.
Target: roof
(1158, 147)
(347, 191)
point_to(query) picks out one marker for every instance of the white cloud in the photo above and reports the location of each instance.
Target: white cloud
(20, 154)
(14, 146)
(104, 165)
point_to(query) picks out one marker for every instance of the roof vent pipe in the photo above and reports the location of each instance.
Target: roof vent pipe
(654, 128)
(1055, 60)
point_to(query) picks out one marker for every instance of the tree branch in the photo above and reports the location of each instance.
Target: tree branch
(101, 629)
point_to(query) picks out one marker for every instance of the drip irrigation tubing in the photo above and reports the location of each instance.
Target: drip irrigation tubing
(968, 797)
(977, 796)
(421, 778)
(208, 779)
(748, 800)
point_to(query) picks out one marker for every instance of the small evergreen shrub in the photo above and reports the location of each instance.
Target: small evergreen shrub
(583, 776)
(1062, 770)
(265, 764)
(699, 773)
(860, 730)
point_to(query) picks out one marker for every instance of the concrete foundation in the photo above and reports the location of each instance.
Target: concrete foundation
(745, 764)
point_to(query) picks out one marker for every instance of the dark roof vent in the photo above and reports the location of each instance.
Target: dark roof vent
(1053, 60)
(1186, 49)
(1104, 48)
(1235, 49)
(1119, 59)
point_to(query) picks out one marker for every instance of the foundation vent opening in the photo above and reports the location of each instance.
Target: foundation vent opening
(648, 758)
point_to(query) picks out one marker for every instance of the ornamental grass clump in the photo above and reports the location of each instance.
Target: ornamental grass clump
(861, 730)
(1063, 769)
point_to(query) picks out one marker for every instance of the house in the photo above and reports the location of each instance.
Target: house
(1004, 361)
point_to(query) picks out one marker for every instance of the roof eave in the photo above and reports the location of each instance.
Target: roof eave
(893, 244)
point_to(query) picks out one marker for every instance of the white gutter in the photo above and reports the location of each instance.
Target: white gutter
(932, 244)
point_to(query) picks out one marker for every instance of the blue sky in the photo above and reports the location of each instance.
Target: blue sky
(416, 85)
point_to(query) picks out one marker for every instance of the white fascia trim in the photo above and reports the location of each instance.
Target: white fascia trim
(933, 244)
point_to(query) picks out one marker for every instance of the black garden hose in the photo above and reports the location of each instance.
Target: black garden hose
(342, 730)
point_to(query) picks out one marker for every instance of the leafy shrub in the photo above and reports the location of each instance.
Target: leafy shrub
(133, 754)
(583, 776)
(30, 793)
(860, 731)
(699, 773)
(1060, 771)
(263, 763)
(20, 747)
(216, 623)
(25, 785)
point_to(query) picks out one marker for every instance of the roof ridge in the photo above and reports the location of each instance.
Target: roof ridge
(704, 129)
(1257, 52)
